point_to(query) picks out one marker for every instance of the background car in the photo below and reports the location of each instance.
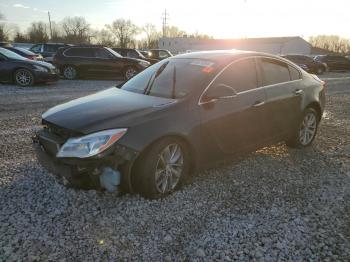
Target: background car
(177, 116)
(96, 61)
(24, 72)
(307, 63)
(133, 53)
(47, 50)
(25, 53)
(159, 54)
(334, 62)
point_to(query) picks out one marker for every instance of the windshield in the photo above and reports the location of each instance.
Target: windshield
(10, 54)
(172, 78)
(113, 52)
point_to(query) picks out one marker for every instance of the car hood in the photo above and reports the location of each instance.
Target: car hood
(35, 62)
(112, 108)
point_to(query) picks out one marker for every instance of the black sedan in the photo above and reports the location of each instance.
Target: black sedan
(307, 63)
(23, 71)
(178, 116)
(25, 53)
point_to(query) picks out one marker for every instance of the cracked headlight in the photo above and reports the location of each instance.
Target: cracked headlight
(90, 145)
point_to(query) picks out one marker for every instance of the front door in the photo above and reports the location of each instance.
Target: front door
(235, 123)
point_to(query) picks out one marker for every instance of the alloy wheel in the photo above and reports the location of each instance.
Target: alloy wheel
(69, 72)
(169, 168)
(24, 77)
(308, 129)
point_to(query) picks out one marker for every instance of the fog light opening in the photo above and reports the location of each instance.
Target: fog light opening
(110, 179)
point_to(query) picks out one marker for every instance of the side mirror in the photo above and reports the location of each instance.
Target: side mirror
(218, 92)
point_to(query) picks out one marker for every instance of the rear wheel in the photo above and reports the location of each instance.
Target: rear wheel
(23, 77)
(69, 72)
(305, 134)
(162, 168)
(130, 72)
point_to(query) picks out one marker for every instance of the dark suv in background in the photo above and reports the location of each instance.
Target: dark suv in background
(96, 61)
(307, 63)
(47, 50)
(159, 54)
(334, 62)
(133, 53)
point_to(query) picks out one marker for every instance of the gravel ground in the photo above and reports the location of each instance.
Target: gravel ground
(274, 204)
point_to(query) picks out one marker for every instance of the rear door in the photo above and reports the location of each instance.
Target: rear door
(282, 84)
(235, 123)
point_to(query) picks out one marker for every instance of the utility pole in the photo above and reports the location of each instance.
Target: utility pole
(165, 22)
(48, 13)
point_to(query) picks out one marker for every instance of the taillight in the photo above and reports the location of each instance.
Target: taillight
(32, 57)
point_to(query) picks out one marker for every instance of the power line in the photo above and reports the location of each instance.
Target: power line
(165, 18)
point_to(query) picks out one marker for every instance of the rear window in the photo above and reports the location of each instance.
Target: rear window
(80, 52)
(274, 71)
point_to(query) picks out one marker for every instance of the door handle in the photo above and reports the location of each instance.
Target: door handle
(298, 92)
(258, 103)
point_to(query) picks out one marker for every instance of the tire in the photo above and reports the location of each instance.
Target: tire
(69, 72)
(158, 172)
(306, 131)
(130, 72)
(23, 77)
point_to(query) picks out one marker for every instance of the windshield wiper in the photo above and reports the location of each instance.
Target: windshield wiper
(152, 79)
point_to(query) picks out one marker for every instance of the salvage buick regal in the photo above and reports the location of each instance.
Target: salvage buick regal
(178, 116)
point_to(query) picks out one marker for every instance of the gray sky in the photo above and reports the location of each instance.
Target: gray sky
(221, 18)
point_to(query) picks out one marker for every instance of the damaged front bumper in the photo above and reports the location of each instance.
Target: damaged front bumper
(110, 170)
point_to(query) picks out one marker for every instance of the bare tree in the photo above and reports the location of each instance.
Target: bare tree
(124, 31)
(76, 30)
(174, 31)
(4, 30)
(20, 37)
(104, 37)
(332, 43)
(152, 36)
(37, 32)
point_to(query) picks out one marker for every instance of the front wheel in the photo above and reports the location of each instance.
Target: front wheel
(130, 72)
(162, 168)
(305, 134)
(23, 77)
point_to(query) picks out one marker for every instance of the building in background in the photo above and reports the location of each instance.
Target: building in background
(273, 45)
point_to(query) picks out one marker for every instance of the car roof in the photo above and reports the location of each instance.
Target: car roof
(223, 54)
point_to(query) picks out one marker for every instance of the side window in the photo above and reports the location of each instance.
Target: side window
(102, 53)
(80, 52)
(294, 73)
(36, 48)
(163, 54)
(274, 71)
(132, 54)
(240, 75)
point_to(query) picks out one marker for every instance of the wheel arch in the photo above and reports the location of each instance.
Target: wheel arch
(192, 152)
(316, 106)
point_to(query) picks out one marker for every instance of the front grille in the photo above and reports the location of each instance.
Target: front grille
(58, 131)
